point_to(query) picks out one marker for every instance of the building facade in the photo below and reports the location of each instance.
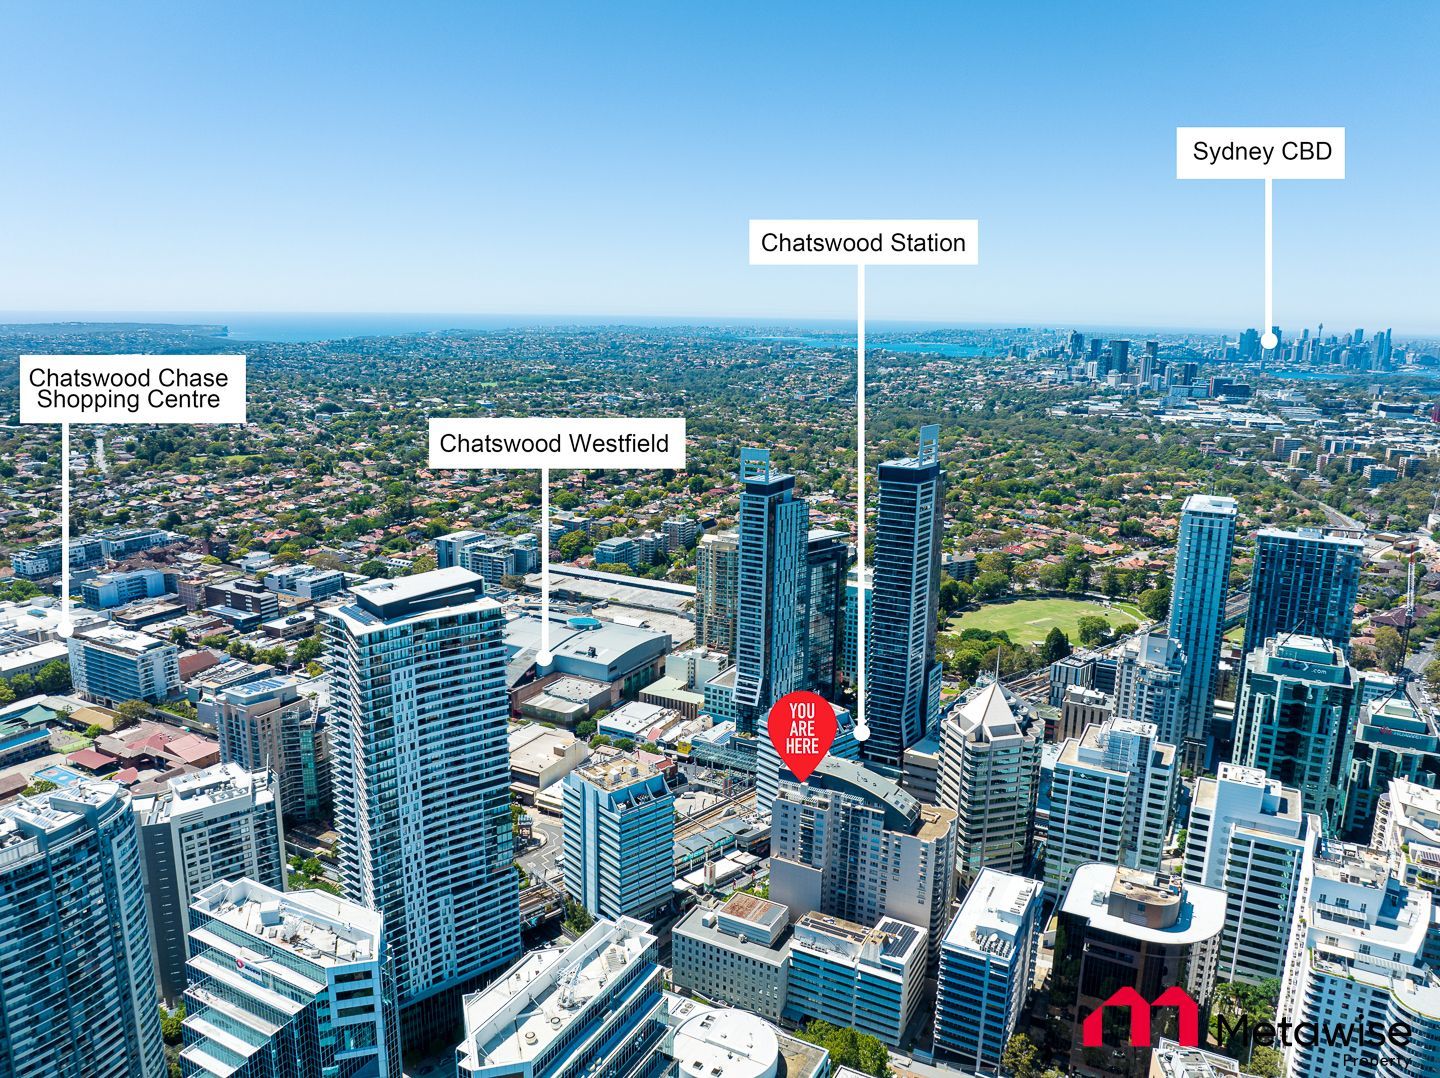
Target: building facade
(1250, 838)
(1295, 719)
(771, 586)
(1304, 583)
(222, 823)
(271, 723)
(987, 959)
(422, 781)
(717, 585)
(905, 596)
(592, 1009)
(111, 665)
(865, 979)
(619, 833)
(989, 777)
(1122, 928)
(852, 844)
(1112, 796)
(287, 985)
(75, 970)
(1204, 551)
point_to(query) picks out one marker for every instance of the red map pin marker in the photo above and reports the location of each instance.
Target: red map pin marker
(802, 729)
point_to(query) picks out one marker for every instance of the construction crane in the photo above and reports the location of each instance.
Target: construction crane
(1408, 621)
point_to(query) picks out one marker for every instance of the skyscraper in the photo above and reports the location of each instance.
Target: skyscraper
(900, 661)
(819, 828)
(770, 621)
(717, 574)
(1395, 738)
(592, 1008)
(1123, 928)
(422, 782)
(1150, 685)
(989, 777)
(287, 985)
(1295, 720)
(1251, 838)
(986, 961)
(271, 723)
(619, 838)
(1303, 582)
(827, 563)
(222, 823)
(1358, 952)
(76, 978)
(1204, 550)
(1112, 794)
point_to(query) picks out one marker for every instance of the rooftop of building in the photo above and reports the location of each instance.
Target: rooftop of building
(199, 791)
(636, 717)
(1209, 503)
(117, 639)
(1174, 1060)
(534, 747)
(323, 929)
(1273, 799)
(991, 711)
(1200, 915)
(890, 938)
(46, 813)
(990, 916)
(722, 1042)
(535, 1001)
(754, 908)
(377, 604)
(1312, 535)
(618, 773)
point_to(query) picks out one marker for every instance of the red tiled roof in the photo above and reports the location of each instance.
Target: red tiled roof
(90, 760)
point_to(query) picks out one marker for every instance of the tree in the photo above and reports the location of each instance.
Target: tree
(1021, 1057)
(1154, 603)
(1267, 1062)
(1432, 673)
(1092, 629)
(171, 1023)
(577, 918)
(1388, 648)
(132, 711)
(849, 1048)
(991, 585)
(1056, 646)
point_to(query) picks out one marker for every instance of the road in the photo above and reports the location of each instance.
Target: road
(542, 862)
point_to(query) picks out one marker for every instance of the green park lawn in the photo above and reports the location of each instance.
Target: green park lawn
(1028, 620)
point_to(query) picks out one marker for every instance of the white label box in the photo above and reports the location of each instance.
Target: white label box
(632, 442)
(1259, 153)
(875, 243)
(132, 389)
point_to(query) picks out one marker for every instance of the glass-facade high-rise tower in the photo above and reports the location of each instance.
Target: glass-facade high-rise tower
(1304, 582)
(422, 782)
(901, 668)
(77, 983)
(1204, 551)
(770, 619)
(827, 564)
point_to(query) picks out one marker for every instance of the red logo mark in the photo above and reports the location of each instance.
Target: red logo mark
(1093, 1030)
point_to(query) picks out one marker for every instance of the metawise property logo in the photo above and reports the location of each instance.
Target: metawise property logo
(1093, 1031)
(1363, 1041)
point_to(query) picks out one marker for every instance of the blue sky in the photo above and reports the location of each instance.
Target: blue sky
(604, 159)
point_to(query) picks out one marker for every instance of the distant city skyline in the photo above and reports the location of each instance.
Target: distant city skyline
(468, 159)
